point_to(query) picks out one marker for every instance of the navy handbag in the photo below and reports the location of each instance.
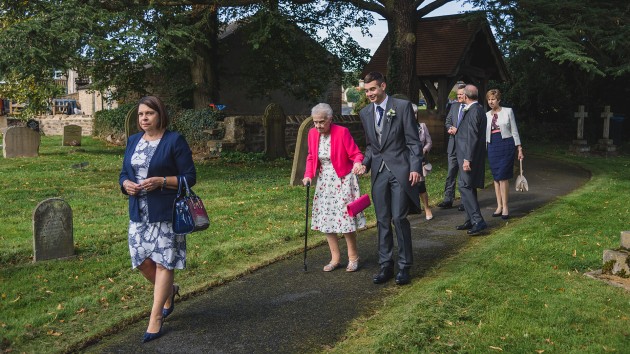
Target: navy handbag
(189, 213)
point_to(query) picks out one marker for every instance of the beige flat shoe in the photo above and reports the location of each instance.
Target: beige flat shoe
(353, 265)
(330, 267)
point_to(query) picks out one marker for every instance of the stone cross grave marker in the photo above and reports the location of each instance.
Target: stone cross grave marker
(580, 145)
(301, 151)
(52, 230)
(606, 114)
(580, 115)
(72, 135)
(20, 142)
(605, 144)
(274, 123)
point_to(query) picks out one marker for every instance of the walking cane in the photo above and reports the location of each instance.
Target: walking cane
(308, 187)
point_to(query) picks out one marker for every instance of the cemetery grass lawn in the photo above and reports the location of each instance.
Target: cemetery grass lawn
(521, 289)
(56, 306)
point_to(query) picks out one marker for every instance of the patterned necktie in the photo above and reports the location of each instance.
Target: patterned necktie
(380, 111)
(460, 115)
(494, 122)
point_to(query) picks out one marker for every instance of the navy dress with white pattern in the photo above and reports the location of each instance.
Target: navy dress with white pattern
(154, 240)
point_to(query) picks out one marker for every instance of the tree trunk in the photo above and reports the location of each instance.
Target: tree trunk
(402, 48)
(203, 68)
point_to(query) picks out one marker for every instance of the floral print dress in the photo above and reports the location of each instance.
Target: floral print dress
(155, 240)
(332, 194)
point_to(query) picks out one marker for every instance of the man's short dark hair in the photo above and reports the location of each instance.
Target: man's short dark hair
(374, 75)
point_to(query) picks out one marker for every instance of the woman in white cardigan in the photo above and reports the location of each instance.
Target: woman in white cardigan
(503, 141)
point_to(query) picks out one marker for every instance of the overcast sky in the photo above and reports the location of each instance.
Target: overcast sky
(380, 28)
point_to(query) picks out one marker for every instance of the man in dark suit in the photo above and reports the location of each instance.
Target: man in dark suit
(394, 154)
(451, 173)
(470, 147)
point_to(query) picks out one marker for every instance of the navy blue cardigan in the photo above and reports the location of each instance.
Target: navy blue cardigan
(171, 158)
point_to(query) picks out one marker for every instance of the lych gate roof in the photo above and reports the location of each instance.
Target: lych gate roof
(443, 44)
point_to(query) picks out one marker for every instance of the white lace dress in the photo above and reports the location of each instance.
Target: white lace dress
(155, 240)
(332, 194)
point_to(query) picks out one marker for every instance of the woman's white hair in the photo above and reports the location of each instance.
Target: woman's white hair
(322, 108)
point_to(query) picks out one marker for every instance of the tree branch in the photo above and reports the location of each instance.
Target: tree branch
(370, 6)
(430, 7)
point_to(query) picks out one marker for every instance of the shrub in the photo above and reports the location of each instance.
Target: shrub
(353, 95)
(111, 121)
(191, 124)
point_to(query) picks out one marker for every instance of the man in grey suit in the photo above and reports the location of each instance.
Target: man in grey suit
(451, 173)
(470, 148)
(394, 154)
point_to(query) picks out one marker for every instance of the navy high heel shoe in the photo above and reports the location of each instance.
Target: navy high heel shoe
(168, 311)
(151, 336)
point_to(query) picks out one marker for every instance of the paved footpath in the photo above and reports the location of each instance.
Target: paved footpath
(282, 309)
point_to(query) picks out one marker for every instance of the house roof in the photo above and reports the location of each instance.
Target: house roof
(443, 44)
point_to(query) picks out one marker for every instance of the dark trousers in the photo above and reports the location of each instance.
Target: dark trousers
(391, 205)
(469, 199)
(451, 177)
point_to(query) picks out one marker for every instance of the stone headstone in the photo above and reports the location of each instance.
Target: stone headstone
(617, 262)
(131, 123)
(301, 151)
(580, 145)
(20, 142)
(605, 144)
(52, 230)
(71, 135)
(3, 124)
(274, 123)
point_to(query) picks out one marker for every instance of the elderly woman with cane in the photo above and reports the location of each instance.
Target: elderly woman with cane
(333, 152)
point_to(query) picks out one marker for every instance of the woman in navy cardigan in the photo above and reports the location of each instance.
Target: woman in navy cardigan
(154, 159)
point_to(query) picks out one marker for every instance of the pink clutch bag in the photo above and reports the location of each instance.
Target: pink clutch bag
(359, 205)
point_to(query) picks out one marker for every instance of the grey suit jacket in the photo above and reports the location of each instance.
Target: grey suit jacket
(470, 144)
(451, 119)
(400, 145)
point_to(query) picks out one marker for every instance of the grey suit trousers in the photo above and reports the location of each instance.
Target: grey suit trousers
(391, 205)
(451, 176)
(469, 199)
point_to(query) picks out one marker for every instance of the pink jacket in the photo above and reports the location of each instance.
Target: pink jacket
(344, 152)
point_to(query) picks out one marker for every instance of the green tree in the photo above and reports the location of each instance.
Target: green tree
(402, 18)
(114, 42)
(563, 53)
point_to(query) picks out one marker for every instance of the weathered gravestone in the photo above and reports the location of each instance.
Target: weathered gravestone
(301, 151)
(580, 145)
(617, 262)
(606, 144)
(131, 123)
(3, 124)
(274, 123)
(20, 142)
(52, 230)
(71, 135)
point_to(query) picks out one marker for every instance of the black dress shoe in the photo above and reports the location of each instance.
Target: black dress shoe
(384, 275)
(403, 277)
(477, 228)
(496, 215)
(445, 205)
(505, 217)
(461, 207)
(465, 226)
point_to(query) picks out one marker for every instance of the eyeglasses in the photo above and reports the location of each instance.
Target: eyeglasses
(321, 123)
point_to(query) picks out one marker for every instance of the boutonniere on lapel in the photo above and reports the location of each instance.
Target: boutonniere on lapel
(466, 108)
(390, 115)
